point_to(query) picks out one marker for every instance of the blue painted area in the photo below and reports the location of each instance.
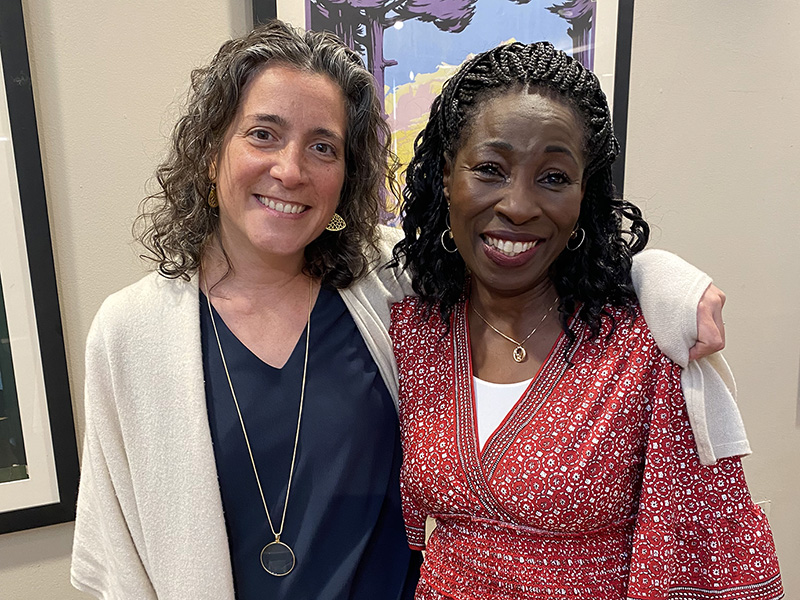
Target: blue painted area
(420, 47)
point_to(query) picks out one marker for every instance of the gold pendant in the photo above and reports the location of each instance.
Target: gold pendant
(519, 354)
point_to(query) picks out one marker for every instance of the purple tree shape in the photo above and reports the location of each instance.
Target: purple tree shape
(361, 23)
(580, 15)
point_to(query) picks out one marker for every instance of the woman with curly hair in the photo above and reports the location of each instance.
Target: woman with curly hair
(241, 431)
(242, 438)
(542, 428)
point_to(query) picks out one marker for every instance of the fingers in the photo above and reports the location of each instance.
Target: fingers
(710, 326)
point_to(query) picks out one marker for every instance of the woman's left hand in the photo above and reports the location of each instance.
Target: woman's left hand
(710, 326)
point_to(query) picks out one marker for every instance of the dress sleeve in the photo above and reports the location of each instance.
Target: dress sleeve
(698, 533)
(413, 514)
(105, 561)
(415, 518)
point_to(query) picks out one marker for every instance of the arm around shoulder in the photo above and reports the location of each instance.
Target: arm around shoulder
(670, 292)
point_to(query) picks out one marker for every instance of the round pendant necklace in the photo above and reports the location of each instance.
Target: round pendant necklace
(277, 557)
(519, 354)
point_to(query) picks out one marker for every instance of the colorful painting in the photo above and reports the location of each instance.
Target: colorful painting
(413, 46)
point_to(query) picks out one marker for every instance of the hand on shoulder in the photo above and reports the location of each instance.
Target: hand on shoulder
(710, 326)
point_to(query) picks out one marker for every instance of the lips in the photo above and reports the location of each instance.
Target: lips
(508, 247)
(282, 206)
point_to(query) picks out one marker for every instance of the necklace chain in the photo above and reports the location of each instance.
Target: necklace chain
(519, 354)
(278, 533)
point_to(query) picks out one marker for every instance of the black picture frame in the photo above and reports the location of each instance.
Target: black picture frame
(622, 81)
(264, 10)
(41, 268)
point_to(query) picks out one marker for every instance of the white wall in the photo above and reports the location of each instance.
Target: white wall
(713, 157)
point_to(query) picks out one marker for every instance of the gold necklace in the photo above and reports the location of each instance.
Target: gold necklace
(519, 354)
(277, 557)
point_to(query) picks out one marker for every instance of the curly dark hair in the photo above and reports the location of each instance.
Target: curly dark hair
(176, 222)
(598, 272)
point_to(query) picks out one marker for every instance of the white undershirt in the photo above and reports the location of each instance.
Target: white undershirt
(493, 401)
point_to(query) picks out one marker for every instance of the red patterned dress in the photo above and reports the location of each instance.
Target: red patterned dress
(590, 488)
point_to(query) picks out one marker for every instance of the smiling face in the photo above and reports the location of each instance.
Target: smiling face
(515, 188)
(281, 167)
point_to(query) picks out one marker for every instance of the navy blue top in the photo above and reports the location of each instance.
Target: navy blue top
(344, 520)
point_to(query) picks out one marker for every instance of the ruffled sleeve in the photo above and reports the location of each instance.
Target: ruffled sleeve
(698, 535)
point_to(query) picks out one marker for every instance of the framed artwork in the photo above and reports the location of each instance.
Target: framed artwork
(38, 452)
(412, 47)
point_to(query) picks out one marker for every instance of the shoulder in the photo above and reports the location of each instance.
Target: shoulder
(625, 330)
(409, 307)
(385, 241)
(149, 304)
(411, 318)
(621, 326)
(624, 318)
(382, 282)
(388, 238)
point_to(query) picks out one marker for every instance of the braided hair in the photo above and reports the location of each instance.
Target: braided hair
(594, 275)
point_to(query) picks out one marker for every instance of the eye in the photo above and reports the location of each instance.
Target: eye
(262, 135)
(324, 149)
(555, 179)
(489, 170)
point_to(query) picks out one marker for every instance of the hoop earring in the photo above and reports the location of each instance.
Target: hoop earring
(574, 236)
(449, 233)
(213, 201)
(337, 223)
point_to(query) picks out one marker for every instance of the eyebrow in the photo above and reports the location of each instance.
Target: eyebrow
(281, 122)
(553, 148)
(498, 145)
(560, 150)
(270, 118)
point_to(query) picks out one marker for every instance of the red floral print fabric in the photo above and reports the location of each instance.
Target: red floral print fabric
(590, 488)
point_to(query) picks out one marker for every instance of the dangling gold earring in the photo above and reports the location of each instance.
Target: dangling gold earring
(337, 223)
(212, 196)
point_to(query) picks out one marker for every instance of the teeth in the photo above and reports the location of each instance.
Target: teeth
(509, 248)
(286, 207)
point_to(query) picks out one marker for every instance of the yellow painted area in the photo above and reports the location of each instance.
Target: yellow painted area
(410, 103)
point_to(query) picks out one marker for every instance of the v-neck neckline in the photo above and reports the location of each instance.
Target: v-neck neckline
(298, 347)
(480, 463)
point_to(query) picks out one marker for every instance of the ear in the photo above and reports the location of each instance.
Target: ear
(212, 171)
(446, 173)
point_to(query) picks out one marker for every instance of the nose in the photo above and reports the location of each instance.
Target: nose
(288, 166)
(520, 203)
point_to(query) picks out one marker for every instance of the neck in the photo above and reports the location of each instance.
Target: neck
(248, 274)
(516, 312)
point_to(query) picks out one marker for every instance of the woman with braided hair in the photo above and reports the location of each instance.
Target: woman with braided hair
(542, 428)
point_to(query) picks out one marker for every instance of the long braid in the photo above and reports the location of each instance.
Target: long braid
(597, 273)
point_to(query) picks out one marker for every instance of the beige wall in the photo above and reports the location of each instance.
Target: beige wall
(108, 77)
(713, 157)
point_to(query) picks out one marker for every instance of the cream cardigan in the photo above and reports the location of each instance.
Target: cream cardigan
(149, 521)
